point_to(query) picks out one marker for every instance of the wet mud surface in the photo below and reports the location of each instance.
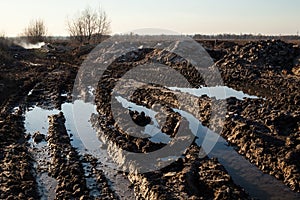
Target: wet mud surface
(264, 131)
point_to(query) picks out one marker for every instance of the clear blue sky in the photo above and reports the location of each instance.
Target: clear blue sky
(182, 16)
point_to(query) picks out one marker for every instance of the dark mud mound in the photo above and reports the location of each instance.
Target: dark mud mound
(274, 54)
(265, 130)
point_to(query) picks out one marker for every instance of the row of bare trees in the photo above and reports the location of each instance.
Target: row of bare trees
(88, 26)
(35, 31)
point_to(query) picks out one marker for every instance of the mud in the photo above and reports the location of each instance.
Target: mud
(265, 131)
(188, 178)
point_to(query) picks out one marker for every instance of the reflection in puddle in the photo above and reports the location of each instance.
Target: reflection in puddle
(219, 92)
(84, 137)
(36, 119)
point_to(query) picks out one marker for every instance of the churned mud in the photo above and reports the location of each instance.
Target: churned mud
(42, 155)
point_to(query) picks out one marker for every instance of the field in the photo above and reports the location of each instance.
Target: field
(51, 147)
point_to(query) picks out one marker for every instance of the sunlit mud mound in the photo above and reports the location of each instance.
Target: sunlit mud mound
(270, 54)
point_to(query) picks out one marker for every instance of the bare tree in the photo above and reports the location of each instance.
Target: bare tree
(89, 25)
(36, 31)
(2, 35)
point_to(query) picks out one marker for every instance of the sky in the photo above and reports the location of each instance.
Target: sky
(271, 17)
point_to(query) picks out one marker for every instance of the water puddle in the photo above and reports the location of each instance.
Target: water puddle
(219, 92)
(36, 120)
(46, 184)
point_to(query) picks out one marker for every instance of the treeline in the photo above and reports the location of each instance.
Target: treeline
(245, 37)
(87, 26)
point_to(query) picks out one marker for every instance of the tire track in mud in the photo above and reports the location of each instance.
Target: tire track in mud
(17, 176)
(260, 187)
(95, 173)
(67, 167)
(190, 177)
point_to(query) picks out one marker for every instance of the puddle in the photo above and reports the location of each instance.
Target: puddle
(46, 184)
(88, 140)
(36, 119)
(219, 92)
(83, 137)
